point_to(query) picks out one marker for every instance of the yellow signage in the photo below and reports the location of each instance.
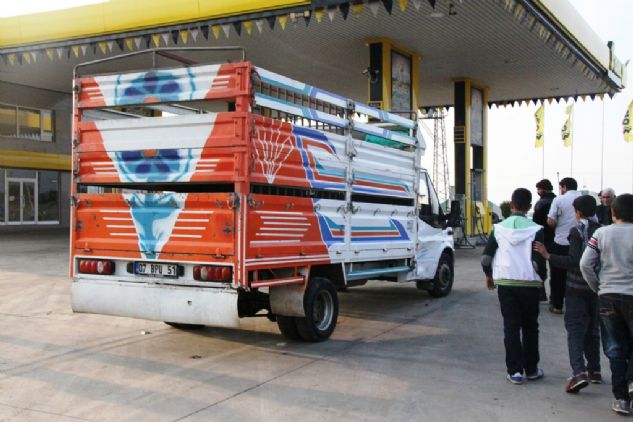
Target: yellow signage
(539, 115)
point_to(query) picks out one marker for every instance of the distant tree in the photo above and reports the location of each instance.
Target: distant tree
(505, 209)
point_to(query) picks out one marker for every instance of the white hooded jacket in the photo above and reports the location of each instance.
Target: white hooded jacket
(513, 258)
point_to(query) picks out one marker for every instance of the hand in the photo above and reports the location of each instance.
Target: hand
(540, 248)
(490, 284)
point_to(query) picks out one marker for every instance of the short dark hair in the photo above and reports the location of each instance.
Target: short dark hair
(623, 207)
(545, 184)
(569, 182)
(522, 199)
(586, 205)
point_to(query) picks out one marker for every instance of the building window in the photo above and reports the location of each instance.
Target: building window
(26, 123)
(48, 196)
(29, 197)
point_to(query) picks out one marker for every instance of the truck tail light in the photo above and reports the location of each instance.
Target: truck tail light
(96, 266)
(212, 273)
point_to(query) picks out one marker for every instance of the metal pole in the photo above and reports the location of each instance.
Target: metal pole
(571, 161)
(602, 150)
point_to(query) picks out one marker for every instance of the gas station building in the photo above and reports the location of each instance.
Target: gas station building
(402, 56)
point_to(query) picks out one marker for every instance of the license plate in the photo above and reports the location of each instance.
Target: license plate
(156, 269)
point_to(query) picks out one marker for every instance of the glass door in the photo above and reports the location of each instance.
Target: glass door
(21, 204)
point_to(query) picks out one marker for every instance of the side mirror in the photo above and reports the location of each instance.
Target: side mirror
(455, 216)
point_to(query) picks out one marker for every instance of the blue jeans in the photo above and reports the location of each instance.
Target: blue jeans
(520, 309)
(583, 330)
(616, 313)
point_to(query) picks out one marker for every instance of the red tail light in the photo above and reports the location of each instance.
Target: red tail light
(96, 266)
(212, 273)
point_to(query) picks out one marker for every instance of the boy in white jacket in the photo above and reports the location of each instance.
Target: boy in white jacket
(511, 266)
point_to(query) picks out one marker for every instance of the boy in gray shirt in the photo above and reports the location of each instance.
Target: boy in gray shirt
(607, 266)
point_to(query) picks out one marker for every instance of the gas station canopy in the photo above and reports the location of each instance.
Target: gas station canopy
(518, 49)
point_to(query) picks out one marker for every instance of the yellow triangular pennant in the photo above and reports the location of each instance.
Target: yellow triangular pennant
(50, 53)
(75, 50)
(216, 31)
(156, 40)
(129, 43)
(282, 21)
(319, 15)
(102, 46)
(184, 36)
(403, 5)
(357, 9)
(248, 25)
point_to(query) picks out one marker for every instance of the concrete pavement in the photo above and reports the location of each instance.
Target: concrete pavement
(396, 355)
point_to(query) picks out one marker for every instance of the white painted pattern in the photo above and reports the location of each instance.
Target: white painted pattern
(272, 149)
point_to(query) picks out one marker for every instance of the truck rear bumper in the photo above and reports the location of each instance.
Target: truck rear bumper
(186, 305)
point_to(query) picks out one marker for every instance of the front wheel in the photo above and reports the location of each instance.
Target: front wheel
(443, 281)
(320, 303)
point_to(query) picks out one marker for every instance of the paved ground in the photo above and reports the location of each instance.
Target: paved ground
(395, 355)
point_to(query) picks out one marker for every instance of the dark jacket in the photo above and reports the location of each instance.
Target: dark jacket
(603, 214)
(541, 209)
(571, 262)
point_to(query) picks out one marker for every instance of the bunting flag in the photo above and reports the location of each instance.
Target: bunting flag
(374, 6)
(403, 5)
(227, 30)
(357, 9)
(330, 14)
(216, 31)
(566, 131)
(259, 23)
(129, 43)
(102, 46)
(248, 25)
(539, 116)
(282, 21)
(205, 31)
(137, 42)
(627, 130)
(184, 36)
(194, 34)
(156, 40)
(50, 53)
(75, 49)
(319, 15)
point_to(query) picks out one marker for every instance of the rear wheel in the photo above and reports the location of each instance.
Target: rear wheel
(320, 303)
(443, 281)
(185, 326)
(288, 327)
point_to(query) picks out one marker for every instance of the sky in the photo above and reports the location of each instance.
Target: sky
(512, 159)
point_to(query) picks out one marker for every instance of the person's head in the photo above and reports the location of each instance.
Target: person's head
(607, 196)
(566, 184)
(521, 200)
(622, 208)
(585, 206)
(544, 186)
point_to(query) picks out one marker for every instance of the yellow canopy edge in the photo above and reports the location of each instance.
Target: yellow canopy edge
(37, 160)
(114, 16)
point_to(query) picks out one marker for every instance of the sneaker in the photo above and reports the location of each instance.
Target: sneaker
(577, 383)
(595, 377)
(554, 310)
(622, 407)
(517, 378)
(536, 375)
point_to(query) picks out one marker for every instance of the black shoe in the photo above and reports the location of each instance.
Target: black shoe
(577, 383)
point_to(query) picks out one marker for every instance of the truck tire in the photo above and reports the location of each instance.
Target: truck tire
(181, 326)
(443, 281)
(320, 303)
(288, 327)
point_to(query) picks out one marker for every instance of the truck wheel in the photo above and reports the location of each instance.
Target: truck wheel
(320, 303)
(185, 326)
(443, 281)
(288, 327)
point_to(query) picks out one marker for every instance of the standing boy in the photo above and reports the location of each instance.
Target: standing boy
(581, 314)
(517, 272)
(544, 190)
(607, 265)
